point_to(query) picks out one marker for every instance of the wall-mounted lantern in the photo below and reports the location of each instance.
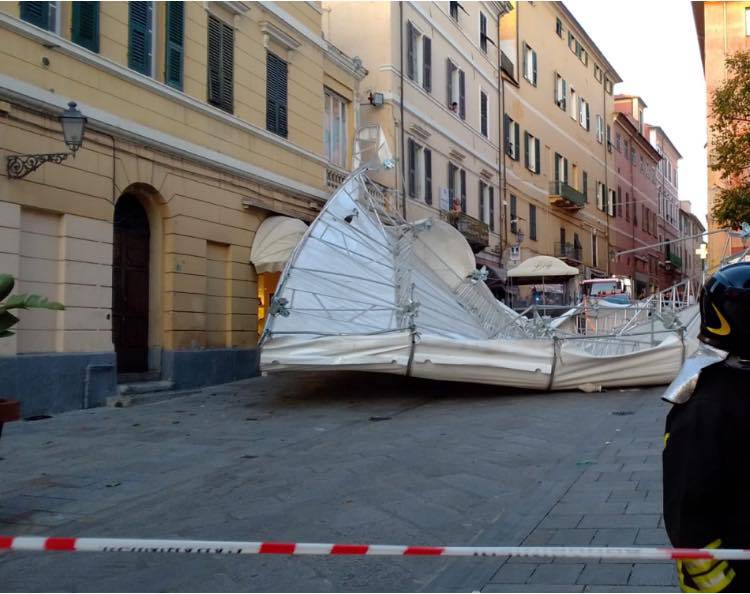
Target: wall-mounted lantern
(73, 125)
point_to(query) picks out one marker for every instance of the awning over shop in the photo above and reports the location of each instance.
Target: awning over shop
(274, 242)
(542, 266)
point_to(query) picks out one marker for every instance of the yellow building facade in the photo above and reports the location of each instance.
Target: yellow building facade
(204, 119)
(558, 106)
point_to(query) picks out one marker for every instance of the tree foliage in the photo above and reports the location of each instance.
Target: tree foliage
(7, 319)
(731, 142)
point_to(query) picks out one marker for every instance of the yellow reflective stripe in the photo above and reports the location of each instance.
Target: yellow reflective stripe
(715, 580)
(681, 578)
(698, 566)
(666, 437)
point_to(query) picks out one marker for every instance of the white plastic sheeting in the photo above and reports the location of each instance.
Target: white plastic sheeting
(274, 242)
(367, 291)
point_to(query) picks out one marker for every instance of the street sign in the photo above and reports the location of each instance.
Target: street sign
(515, 253)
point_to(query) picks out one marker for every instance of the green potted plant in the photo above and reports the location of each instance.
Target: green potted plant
(10, 410)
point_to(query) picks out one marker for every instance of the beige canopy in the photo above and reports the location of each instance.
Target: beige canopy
(542, 266)
(443, 249)
(274, 243)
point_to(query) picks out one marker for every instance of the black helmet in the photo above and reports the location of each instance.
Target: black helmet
(725, 309)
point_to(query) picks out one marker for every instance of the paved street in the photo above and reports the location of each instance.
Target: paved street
(347, 458)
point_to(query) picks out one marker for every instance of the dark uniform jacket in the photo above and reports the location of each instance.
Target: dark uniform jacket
(707, 477)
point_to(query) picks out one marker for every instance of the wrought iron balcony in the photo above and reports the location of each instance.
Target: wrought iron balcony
(568, 251)
(561, 194)
(475, 231)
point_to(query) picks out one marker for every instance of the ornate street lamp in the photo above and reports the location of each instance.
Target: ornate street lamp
(73, 125)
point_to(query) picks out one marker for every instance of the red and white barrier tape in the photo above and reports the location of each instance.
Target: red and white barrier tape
(213, 547)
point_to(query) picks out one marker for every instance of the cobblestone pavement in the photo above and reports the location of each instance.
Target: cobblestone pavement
(348, 458)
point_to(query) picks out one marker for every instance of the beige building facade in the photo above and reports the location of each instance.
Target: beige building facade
(558, 109)
(204, 119)
(691, 229)
(432, 88)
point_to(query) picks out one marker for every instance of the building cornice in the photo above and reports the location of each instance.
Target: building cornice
(23, 93)
(66, 47)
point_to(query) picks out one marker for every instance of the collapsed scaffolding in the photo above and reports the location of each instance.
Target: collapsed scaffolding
(367, 290)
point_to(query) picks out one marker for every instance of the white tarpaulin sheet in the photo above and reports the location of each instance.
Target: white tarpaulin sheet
(364, 290)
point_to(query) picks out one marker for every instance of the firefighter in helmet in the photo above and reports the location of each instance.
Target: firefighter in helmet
(706, 456)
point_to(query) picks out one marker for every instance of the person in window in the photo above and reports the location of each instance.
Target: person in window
(706, 467)
(454, 107)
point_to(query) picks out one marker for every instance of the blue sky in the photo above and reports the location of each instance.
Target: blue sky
(654, 48)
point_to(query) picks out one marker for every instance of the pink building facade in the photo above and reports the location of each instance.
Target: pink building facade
(672, 265)
(635, 218)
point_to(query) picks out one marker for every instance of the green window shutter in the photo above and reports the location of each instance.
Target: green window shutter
(538, 153)
(175, 37)
(461, 95)
(492, 208)
(526, 149)
(481, 201)
(85, 25)
(140, 19)
(276, 95)
(427, 64)
(517, 142)
(463, 191)
(412, 176)
(220, 64)
(557, 167)
(36, 13)
(427, 176)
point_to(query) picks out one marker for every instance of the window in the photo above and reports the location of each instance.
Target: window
(608, 85)
(529, 64)
(420, 172)
(483, 32)
(175, 42)
(561, 168)
(484, 114)
(609, 138)
(600, 195)
(583, 115)
(456, 89)
(599, 129)
(457, 187)
(41, 14)
(531, 153)
(512, 135)
(618, 209)
(276, 95)
(747, 21)
(334, 129)
(558, 27)
(574, 101)
(418, 57)
(632, 154)
(585, 185)
(597, 73)
(561, 92)
(611, 203)
(486, 206)
(221, 66)
(584, 56)
(84, 28)
(571, 42)
(513, 214)
(140, 36)
(627, 207)
(454, 7)
(594, 251)
(532, 222)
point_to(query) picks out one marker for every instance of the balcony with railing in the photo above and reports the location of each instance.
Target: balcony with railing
(564, 196)
(475, 231)
(335, 176)
(569, 251)
(674, 262)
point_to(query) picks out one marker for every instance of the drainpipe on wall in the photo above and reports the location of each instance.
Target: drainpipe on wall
(606, 170)
(402, 177)
(503, 168)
